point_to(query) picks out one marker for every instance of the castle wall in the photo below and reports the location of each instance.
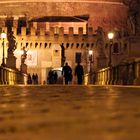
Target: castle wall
(45, 50)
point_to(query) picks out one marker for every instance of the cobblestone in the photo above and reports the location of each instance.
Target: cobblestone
(69, 113)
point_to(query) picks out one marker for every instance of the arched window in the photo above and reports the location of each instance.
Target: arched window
(36, 44)
(87, 44)
(82, 45)
(67, 45)
(72, 44)
(92, 44)
(77, 45)
(26, 44)
(45, 45)
(30, 44)
(50, 45)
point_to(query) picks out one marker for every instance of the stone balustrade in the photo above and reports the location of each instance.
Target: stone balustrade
(127, 73)
(12, 77)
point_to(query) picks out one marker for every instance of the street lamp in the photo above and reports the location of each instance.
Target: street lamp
(3, 36)
(90, 64)
(110, 37)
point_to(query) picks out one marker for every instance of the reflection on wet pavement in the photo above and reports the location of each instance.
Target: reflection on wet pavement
(69, 113)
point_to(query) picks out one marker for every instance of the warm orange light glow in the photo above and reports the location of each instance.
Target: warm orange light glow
(110, 35)
(3, 35)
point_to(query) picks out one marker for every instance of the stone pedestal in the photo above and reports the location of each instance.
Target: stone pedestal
(23, 68)
(11, 61)
(101, 62)
(101, 59)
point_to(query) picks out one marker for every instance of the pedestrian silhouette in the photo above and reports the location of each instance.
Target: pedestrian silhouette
(36, 78)
(79, 72)
(50, 77)
(29, 81)
(67, 73)
(55, 77)
(33, 78)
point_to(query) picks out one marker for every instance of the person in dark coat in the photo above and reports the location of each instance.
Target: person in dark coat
(33, 79)
(55, 77)
(36, 78)
(50, 77)
(29, 79)
(79, 72)
(67, 72)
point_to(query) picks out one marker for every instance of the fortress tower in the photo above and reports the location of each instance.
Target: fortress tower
(105, 13)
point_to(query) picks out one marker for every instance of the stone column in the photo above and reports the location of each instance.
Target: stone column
(11, 61)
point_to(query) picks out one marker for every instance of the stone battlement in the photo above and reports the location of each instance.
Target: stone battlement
(23, 31)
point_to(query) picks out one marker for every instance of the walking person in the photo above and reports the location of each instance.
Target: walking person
(67, 72)
(33, 79)
(29, 81)
(79, 72)
(36, 78)
(55, 77)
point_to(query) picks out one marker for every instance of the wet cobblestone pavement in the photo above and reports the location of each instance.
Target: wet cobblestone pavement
(69, 113)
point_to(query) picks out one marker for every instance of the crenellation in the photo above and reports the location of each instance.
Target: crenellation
(33, 31)
(14, 29)
(23, 31)
(15, 23)
(61, 31)
(90, 31)
(35, 25)
(42, 32)
(52, 31)
(71, 31)
(80, 31)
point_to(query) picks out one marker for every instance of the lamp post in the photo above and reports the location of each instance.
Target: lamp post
(90, 62)
(3, 36)
(110, 37)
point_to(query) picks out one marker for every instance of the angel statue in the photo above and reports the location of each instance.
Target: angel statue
(12, 42)
(24, 55)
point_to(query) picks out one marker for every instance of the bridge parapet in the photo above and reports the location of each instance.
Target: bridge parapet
(127, 73)
(11, 77)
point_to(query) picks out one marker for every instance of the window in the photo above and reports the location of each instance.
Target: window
(67, 45)
(78, 57)
(45, 45)
(77, 45)
(26, 45)
(115, 48)
(36, 44)
(72, 45)
(87, 45)
(82, 45)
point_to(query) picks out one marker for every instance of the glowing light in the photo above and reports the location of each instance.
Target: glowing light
(110, 35)
(90, 52)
